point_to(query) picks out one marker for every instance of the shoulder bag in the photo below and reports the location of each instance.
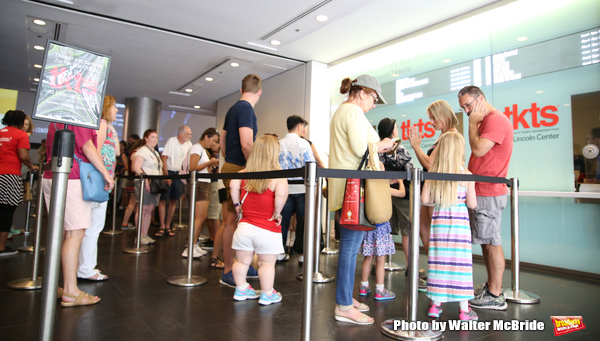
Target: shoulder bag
(92, 182)
(157, 186)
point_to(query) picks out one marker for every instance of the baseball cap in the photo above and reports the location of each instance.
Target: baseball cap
(370, 82)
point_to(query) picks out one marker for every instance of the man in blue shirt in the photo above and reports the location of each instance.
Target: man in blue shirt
(237, 138)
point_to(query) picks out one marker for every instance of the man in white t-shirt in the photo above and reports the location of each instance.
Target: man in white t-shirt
(294, 153)
(172, 156)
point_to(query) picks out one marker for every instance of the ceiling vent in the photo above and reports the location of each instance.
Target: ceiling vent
(295, 19)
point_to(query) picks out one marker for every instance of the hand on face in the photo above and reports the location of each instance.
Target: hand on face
(477, 112)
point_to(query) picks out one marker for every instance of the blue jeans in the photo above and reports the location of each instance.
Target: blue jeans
(294, 204)
(350, 242)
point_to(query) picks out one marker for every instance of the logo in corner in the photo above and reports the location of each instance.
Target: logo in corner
(567, 324)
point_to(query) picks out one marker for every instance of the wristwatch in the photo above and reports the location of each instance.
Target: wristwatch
(277, 216)
(237, 204)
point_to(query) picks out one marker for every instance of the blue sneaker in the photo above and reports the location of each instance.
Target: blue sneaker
(248, 294)
(227, 279)
(265, 299)
(252, 273)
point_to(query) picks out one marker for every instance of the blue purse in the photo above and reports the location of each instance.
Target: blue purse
(92, 182)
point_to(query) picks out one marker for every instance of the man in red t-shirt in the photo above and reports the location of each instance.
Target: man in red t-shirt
(491, 139)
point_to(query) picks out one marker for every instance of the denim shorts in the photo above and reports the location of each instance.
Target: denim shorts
(485, 219)
(175, 189)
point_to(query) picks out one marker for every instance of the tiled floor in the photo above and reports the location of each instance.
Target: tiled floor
(138, 303)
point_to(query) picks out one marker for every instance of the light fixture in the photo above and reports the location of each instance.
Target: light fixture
(446, 61)
(39, 22)
(539, 92)
(37, 66)
(178, 93)
(39, 48)
(196, 107)
(321, 18)
(209, 79)
(395, 75)
(261, 46)
(188, 90)
(275, 42)
(521, 38)
(234, 64)
(36, 79)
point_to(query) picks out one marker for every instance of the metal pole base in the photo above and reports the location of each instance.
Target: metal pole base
(184, 281)
(522, 297)
(29, 248)
(387, 328)
(112, 233)
(319, 277)
(26, 233)
(391, 266)
(135, 250)
(25, 284)
(180, 226)
(330, 251)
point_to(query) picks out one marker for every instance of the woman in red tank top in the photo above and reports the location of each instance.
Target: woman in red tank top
(259, 229)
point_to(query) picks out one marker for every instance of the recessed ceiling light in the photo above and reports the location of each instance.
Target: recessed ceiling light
(209, 79)
(189, 90)
(395, 75)
(36, 79)
(39, 22)
(321, 18)
(566, 105)
(196, 107)
(446, 61)
(39, 48)
(521, 38)
(234, 64)
(37, 66)
(539, 92)
(275, 42)
(261, 46)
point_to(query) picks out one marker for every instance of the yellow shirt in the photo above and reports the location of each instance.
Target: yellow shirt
(349, 132)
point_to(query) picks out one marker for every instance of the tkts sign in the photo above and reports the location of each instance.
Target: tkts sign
(533, 117)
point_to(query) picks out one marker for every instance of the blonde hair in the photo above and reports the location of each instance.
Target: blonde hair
(442, 111)
(449, 158)
(264, 156)
(109, 101)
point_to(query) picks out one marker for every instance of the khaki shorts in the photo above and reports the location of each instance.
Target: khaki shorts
(400, 220)
(202, 191)
(230, 168)
(214, 205)
(485, 220)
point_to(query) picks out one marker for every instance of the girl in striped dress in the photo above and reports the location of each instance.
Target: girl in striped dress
(450, 264)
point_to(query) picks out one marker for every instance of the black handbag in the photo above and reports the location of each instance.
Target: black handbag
(158, 186)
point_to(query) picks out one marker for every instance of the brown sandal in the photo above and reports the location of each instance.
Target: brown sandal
(169, 232)
(79, 300)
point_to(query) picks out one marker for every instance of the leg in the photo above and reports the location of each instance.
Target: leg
(266, 272)
(6, 219)
(380, 270)
(495, 267)
(228, 230)
(170, 212)
(128, 210)
(286, 217)
(200, 218)
(405, 242)
(349, 244)
(88, 252)
(366, 268)
(147, 211)
(162, 206)
(425, 226)
(240, 267)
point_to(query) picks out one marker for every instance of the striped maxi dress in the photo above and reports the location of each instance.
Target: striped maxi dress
(450, 263)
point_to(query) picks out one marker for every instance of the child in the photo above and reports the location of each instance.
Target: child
(450, 264)
(378, 242)
(259, 230)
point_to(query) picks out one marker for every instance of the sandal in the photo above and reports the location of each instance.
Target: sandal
(363, 308)
(358, 318)
(169, 232)
(160, 233)
(97, 277)
(79, 300)
(216, 263)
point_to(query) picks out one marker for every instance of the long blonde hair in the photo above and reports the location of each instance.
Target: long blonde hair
(449, 158)
(264, 156)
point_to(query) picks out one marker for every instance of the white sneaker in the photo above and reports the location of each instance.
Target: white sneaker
(197, 252)
(146, 240)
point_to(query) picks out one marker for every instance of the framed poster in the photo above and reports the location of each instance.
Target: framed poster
(72, 85)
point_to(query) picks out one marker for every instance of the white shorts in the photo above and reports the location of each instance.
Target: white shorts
(248, 237)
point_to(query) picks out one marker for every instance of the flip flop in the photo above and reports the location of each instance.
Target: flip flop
(79, 300)
(100, 277)
(361, 320)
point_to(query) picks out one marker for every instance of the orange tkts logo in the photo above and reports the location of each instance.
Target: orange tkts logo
(567, 324)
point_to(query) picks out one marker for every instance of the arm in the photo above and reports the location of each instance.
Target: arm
(425, 195)
(117, 145)
(471, 195)
(23, 155)
(194, 158)
(91, 153)
(281, 194)
(400, 192)
(164, 164)
(479, 145)
(246, 140)
(415, 141)
(136, 165)
(320, 163)
(125, 162)
(101, 134)
(235, 187)
(222, 142)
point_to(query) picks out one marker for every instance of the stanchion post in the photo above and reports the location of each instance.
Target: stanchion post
(28, 216)
(179, 225)
(516, 295)
(389, 327)
(189, 280)
(319, 277)
(138, 249)
(114, 211)
(62, 161)
(309, 237)
(327, 250)
(34, 282)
